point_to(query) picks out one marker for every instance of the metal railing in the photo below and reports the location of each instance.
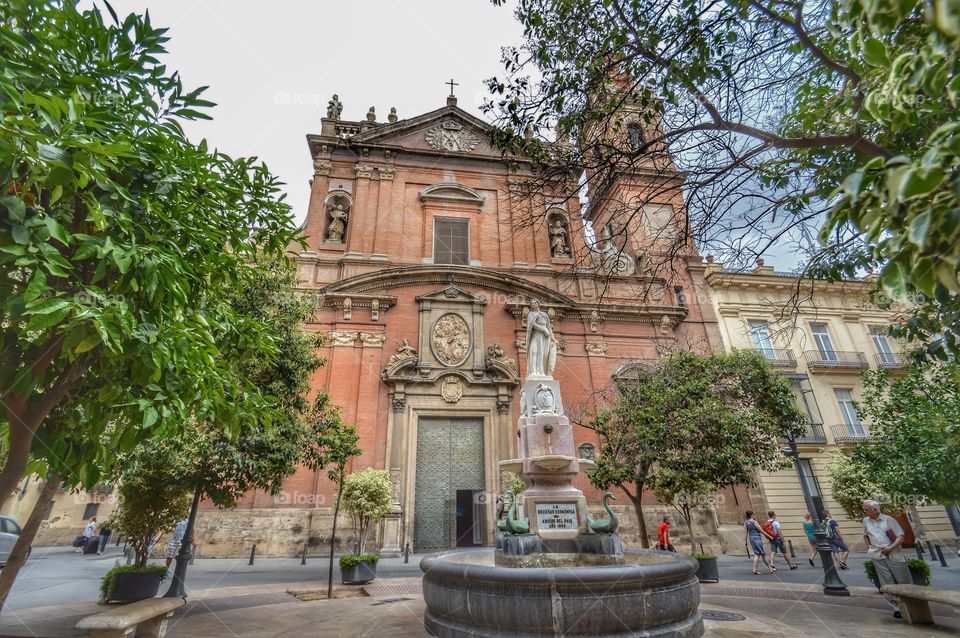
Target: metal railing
(835, 359)
(890, 361)
(779, 358)
(846, 433)
(813, 434)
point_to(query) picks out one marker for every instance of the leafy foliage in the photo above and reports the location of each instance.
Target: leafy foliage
(118, 236)
(914, 423)
(694, 424)
(784, 119)
(349, 560)
(367, 496)
(851, 484)
(152, 496)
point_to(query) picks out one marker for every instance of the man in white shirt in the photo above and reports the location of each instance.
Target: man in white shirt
(883, 537)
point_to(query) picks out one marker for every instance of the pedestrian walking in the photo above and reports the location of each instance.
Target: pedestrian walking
(809, 528)
(105, 533)
(663, 536)
(753, 537)
(176, 541)
(840, 549)
(88, 532)
(883, 537)
(773, 530)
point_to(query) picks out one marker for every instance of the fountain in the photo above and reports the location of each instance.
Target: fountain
(554, 570)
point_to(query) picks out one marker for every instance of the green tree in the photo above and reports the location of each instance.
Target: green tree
(692, 424)
(366, 497)
(913, 421)
(784, 119)
(117, 237)
(851, 484)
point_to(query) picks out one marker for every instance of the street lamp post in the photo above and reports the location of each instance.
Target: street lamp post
(832, 585)
(177, 589)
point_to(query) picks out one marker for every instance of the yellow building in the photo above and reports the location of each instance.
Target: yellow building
(821, 336)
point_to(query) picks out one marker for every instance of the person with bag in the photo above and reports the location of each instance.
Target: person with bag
(86, 534)
(772, 529)
(840, 549)
(883, 537)
(753, 538)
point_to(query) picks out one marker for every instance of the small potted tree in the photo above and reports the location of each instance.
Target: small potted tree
(367, 497)
(685, 492)
(150, 501)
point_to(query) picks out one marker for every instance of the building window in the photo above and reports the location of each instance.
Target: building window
(882, 344)
(451, 241)
(849, 412)
(824, 344)
(680, 297)
(760, 333)
(806, 400)
(813, 486)
(587, 452)
(90, 510)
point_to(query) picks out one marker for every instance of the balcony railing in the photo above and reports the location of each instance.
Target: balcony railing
(890, 361)
(846, 433)
(779, 358)
(834, 359)
(814, 434)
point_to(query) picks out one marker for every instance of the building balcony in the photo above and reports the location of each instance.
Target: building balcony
(835, 360)
(845, 434)
(779, 358)
(813, 434)
(890, 361)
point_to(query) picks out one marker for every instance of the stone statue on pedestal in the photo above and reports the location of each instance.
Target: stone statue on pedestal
(338, 224)
(541, 345)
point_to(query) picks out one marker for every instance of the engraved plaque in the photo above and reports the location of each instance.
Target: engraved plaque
(556, 516)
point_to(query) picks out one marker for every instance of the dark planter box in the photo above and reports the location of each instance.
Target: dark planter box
(708, 572)
(361, 573)
(918, 579)
(131, 586)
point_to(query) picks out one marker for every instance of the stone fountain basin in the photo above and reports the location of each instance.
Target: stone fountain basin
(653, 594)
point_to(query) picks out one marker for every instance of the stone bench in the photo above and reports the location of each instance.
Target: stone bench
(915, 601)
(142, 619)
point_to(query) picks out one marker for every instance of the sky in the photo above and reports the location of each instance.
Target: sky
(272, 66)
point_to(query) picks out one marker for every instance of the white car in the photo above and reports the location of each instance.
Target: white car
(9, 533)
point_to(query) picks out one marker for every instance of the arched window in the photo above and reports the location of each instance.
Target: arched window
(588, 452)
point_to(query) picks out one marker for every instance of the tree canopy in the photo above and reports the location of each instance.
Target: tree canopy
(118, 238)
(828, 126)
(692, 424)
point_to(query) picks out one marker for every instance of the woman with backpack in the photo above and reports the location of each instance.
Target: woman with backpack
(753, 538)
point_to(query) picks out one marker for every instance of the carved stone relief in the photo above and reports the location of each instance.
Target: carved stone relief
(451, 136)
(451, 389)
(450, 339)
(403, 351)
(596, 348)
(373, 339)
(338, 338)
(347, 309)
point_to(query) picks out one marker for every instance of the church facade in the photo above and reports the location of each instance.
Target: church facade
(425, 252)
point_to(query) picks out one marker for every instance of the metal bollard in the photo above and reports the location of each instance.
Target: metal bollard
(406, 553)
(919, 549)
(933, 554)
(194, 550)
(701, 548)
(790, 545)
(303, 556)
(253, 553)
(943, 561)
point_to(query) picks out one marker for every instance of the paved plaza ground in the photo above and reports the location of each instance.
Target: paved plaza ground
(228, 597)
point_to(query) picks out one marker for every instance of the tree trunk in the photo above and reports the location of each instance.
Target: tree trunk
(641, 522)
(686, 517)
(18, 556)
(333, 537)
(20, 437)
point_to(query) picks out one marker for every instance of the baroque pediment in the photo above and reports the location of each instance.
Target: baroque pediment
(448, 131)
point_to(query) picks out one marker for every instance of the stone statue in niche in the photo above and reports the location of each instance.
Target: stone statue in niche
(334, 107)
(558, 238)
(541, 345)
(337, 225)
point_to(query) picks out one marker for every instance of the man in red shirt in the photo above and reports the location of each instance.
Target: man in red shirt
(663, 536)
